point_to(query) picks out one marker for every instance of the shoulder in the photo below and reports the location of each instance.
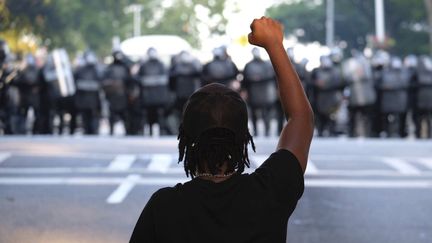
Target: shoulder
(282, 172)
(282, 157)
(164, 193)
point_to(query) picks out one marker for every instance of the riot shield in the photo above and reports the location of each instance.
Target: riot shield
(261, 85)
(64, 85)
(359, 75)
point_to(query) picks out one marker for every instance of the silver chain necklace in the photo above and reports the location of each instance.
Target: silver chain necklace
(215, 176)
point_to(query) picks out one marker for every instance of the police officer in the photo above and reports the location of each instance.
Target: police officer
(221, 69)
(184, 77)
(411, 64)
(29, 85)
(328, 85)
(259, 82)
(9, 96)
(394, 98)
(305, 80)
(87, 97)
(156, 95)
(362, 96)
(422, 103)
(380, 60)
(57, 90)
(114, 85)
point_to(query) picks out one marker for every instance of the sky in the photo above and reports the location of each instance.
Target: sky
(239, 14)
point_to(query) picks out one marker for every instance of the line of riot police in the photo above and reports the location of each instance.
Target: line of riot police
(381, 96)
(384, 95)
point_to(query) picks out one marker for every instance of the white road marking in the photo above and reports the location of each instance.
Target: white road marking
(180, 171)
(123, 190)
(160, 163)
(132, 180)
(4, 156)
(122, 162)
(87, 181)
(311, 168)
(427, 162)
(402, 166)
(371, 184)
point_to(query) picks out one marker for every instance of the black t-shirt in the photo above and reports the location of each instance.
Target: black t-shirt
(244, 208)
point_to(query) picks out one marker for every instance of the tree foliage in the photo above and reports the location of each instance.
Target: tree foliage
(81, 24)
(406, 22)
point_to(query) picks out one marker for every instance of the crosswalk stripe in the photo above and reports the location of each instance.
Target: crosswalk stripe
(4, 156)
(126, 185)
(427, 162)
(160, 163)
(122, 162)
(123, 190)
(402, 166)
(371, 184)
(180, 171)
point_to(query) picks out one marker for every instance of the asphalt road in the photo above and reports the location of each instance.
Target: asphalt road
(92, 189)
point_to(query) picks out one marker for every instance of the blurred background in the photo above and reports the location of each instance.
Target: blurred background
(92, 92)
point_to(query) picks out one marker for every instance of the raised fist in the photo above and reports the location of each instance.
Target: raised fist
(265, 32)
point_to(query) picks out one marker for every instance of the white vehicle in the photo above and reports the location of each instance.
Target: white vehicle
(166, 45)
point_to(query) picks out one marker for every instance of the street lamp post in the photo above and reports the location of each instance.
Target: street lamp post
(136, 10)
(379, 21)
(330, 23)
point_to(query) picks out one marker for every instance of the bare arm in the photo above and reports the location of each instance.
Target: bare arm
(297, 134)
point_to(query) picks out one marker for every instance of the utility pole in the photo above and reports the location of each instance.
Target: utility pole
(330, 23)
(136, 10)
(428, 4)
(379, 21)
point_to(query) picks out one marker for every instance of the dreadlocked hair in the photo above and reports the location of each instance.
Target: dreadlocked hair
(212, 149)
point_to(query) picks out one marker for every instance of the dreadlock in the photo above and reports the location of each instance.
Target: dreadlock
(212, 148)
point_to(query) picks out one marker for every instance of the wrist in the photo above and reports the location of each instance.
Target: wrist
(274, 47)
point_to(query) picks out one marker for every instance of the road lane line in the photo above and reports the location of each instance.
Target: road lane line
(127, 184)
(370, 184)
(427, 162)
(401, 165)
(123, 190)
(4, 156)
(311, 168)
(122, 162)
(160, 163)
(180, 171)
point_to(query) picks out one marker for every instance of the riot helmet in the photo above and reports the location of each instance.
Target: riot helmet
(152, 53)
(426, 62)
(256, 53)
(30, 60)
(184, 57)
(49, 62)
(218, 53)
(4, 51)
(336, 55)
(381, 58)
(290, 52)
(326, 62)
(118, 56)
(396, 63)
(79, 60)
(89, 58)
(411, 61)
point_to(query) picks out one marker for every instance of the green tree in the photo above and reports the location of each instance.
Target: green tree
(406, 22)
(79, 24)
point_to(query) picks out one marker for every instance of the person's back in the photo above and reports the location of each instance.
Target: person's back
(220, 203)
